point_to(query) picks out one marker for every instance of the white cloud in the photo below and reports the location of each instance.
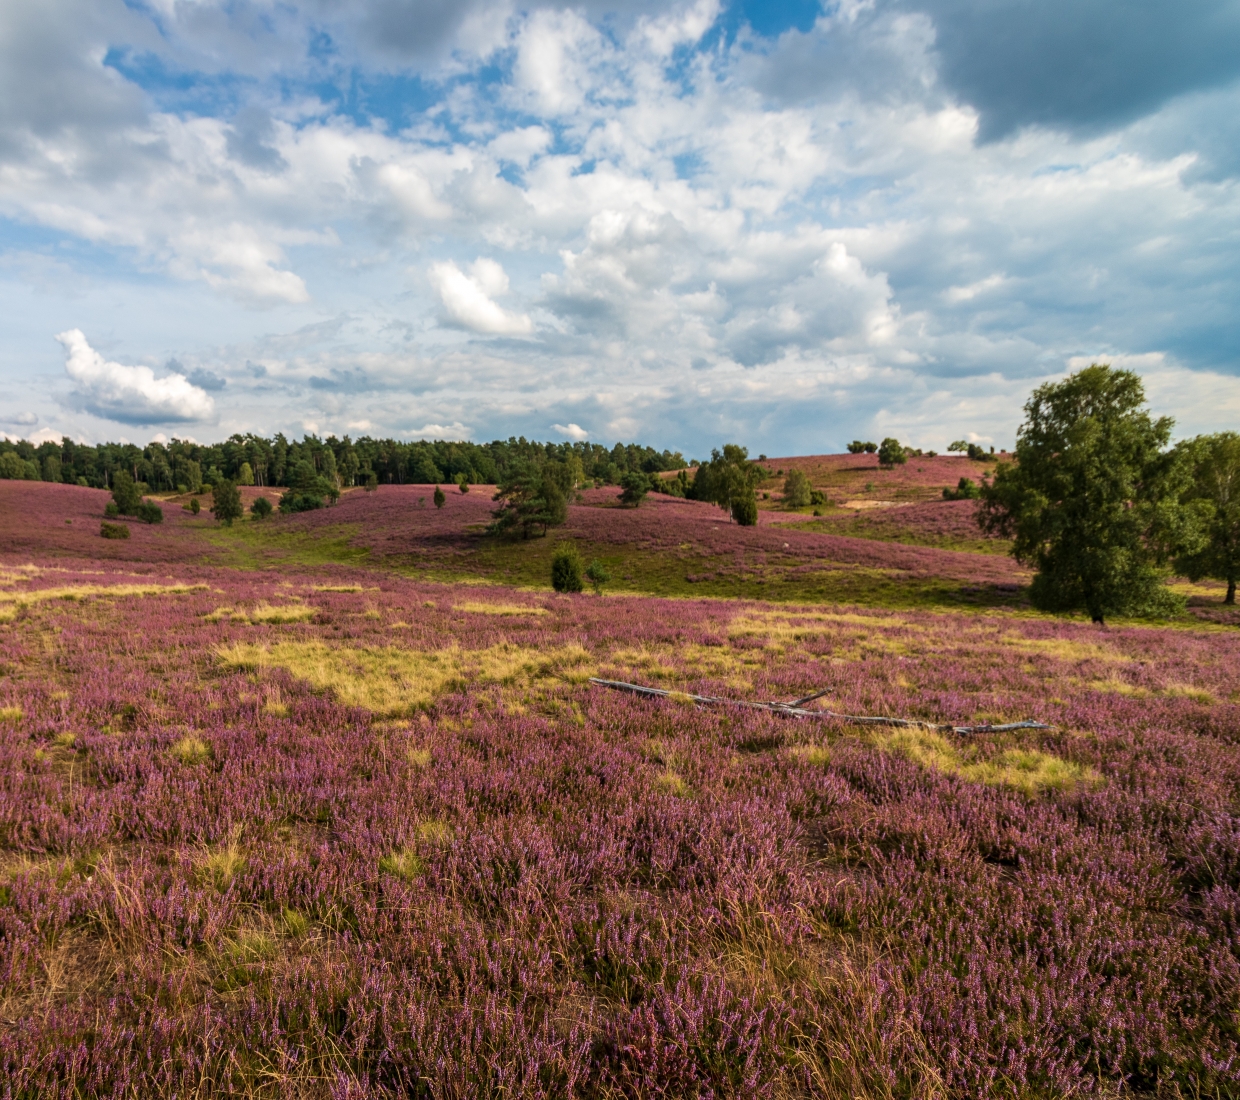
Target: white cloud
(468, 299)
(573, 431)
(131, 395)
(20, 420)
(769, 240)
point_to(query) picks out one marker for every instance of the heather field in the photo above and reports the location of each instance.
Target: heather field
(329, 807)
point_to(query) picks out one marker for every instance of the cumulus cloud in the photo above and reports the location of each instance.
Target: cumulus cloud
(573, 431)
(899, 217)
(20, 420)
(468, 299)
(131, 395)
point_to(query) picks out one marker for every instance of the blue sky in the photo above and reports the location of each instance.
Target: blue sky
(784, 224)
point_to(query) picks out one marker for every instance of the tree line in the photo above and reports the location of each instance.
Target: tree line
(184, 466)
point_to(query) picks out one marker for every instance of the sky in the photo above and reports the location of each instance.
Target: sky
(782, 224)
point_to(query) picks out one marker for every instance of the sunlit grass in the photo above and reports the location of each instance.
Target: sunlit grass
(1027, 770)
(404, 863)
(11, 714)
(86, 591)
(191, 750)
(391, 681)
(478, 607)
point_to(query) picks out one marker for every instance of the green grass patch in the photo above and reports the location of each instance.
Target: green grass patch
(262, 545)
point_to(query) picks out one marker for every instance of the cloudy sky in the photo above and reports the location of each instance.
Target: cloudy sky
(778, 223)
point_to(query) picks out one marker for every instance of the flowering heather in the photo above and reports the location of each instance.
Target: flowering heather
(859, 477)
(335, 832)
(944, 523)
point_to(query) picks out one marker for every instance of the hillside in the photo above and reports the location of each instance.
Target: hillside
(337, 791)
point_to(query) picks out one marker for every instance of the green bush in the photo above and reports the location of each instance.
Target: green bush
(634, 486)
(439, 498)
(566, 573)
(966, 489)
(261, 508)
(111, 510)
(797, 489)
(597, 575)
(114, 530)
(226, 502)
(125, 493)
(891, 453)
(462, 483)
(745, 509)
(149, 512)
(194, 506)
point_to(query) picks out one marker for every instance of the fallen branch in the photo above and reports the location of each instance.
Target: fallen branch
(796, 709)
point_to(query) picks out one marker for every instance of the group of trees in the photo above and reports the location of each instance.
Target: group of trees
(253, 460)
(1100, 504)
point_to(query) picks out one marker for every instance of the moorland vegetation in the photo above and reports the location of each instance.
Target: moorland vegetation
(327, 803)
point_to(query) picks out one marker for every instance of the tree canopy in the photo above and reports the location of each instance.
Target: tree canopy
(729, 480)
(1093, 500)
(529, 496)
(1215, 461)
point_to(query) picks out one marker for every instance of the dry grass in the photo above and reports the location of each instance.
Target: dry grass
(1027, 770)
(191, 750)
(85, 591)
(818, 755)
(478, 607)
(404, 863)
(1062, 649)
(222, 864)
(285, 613)
(669, 782)
(11, 714)
(392, 681)
(336, 588)
(275, 704)
(419, 758)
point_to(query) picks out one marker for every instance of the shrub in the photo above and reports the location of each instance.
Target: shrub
(439, 498)
(462, 483)
(745, 509)
(634, 486)
(566, 569)
(261, 508)
(966, 489)
(597, 575)
(125, 493)
(149, 512)
(194, 506)
(857, 447)
(891, 453)
(226, 502)
(372, 482)
(797, 489)
(114, 530)
(817, 497)
(111, 510)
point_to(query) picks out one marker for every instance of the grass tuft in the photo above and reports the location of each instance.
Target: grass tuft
(404, 863)
(478, 607)
(11, 714)
(191, 750)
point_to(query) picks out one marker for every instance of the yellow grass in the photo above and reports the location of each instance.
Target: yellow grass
(286, 613)
(435, 832)
(1027, 770)
(191, 750)
(7, 614)
(671, 783)
(391, 681)
(85, 591)
(818, 755)
(404, 863)
(478, 607)
(1063, 649)
(337, 587)
(10, 714)
(419, 758)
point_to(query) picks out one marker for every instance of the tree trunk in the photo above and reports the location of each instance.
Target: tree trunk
(1231, 591)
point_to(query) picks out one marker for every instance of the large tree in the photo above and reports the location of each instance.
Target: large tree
(1093, 500)
(729, 480)
(529, 496)
(1216, 485)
